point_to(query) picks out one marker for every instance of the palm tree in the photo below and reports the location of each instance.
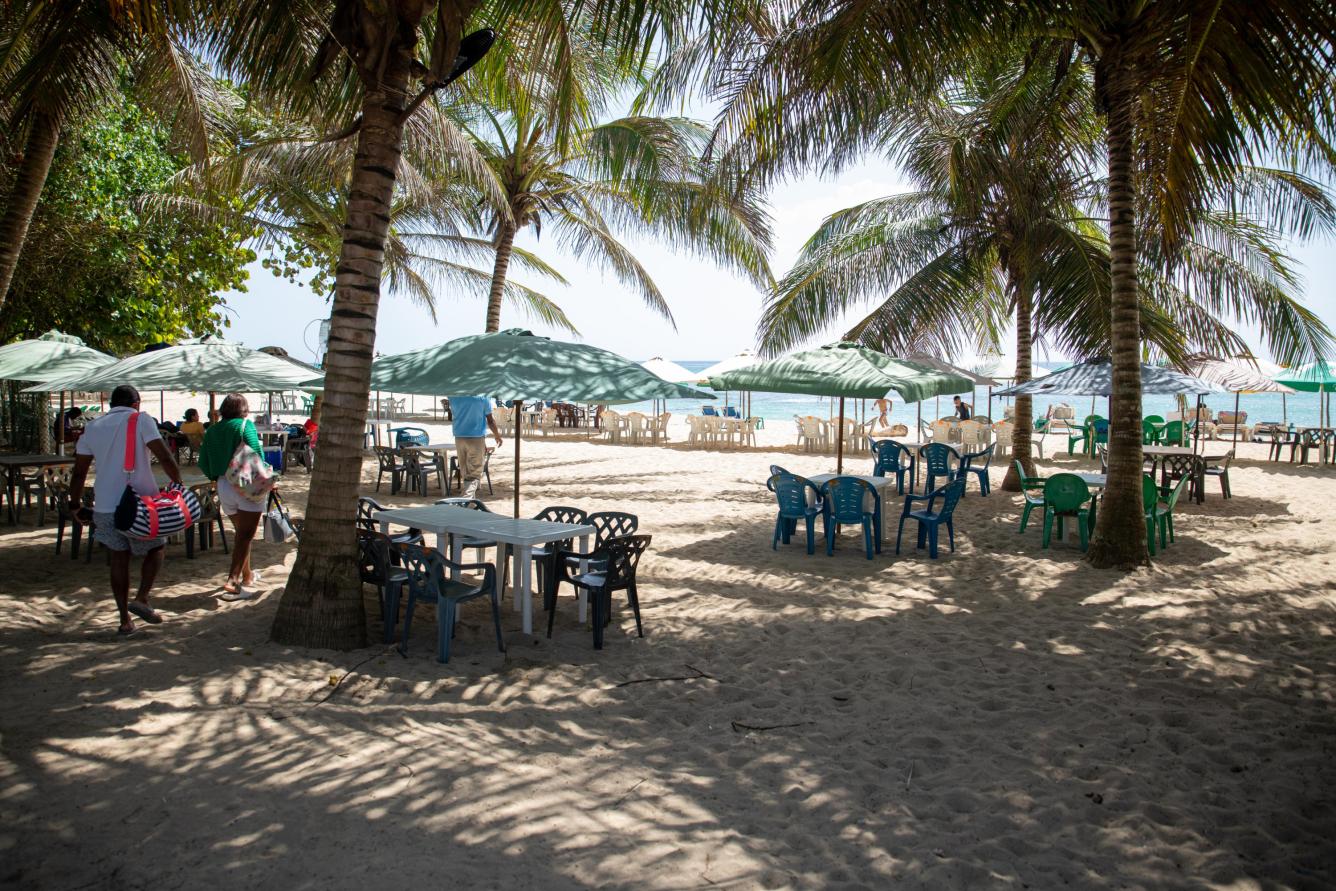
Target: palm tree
(561, 166)
(291, 190)
(59, 60)
(1189, 92)
(367, 69)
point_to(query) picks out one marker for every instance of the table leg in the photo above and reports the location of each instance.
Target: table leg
(440, 542)
(523, 555)
(384, 528)
(9, 488)
(519, 569)
(581, 595)
(456, 555)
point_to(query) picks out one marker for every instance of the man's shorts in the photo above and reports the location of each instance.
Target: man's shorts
(106, 533)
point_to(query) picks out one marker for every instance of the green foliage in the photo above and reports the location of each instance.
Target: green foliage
(97, 264)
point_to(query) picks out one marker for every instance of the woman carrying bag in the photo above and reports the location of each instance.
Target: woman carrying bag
(232, 457)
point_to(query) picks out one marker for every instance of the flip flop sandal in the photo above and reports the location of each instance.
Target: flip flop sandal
(145, 612)
(126, 632)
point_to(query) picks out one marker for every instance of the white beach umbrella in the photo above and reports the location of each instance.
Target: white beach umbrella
(670, 371)
(744, 359)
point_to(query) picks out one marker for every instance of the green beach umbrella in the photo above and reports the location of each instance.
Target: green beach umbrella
(518, 366)
(49, 356)
(847, 370)
(1312, 377)
(205, 364)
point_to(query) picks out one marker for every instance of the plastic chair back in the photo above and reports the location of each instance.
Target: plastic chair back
(561, 514)
(387, 459)
(1154, 419)
(1177, 490)
(1173, 433)
(887, 456)
(410, 436)
(623, 554)
(1150, 493)
(373, 563)
(972, 459)
(1066, 492)
(610, 524)
(846, 498)
(938, 458)
(365, 508)
(951, 495)
(791, 494)
(424, 569)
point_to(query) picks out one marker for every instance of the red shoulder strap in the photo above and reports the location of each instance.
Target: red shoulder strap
(131, 428)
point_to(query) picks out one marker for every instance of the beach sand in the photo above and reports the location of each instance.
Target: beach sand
(1004, 716)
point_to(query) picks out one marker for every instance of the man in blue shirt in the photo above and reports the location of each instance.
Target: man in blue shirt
(472, 419)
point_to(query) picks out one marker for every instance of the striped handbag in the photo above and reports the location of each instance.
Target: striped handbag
(167, 512)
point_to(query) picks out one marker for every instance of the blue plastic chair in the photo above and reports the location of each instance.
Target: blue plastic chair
(844, 500)
(939, 460)
(428, 583)
(376, 567)
(931, 521)
(791, 493)
(731, 412)
(708, 411)
(409, 436)
(888, 456)
(970, 464)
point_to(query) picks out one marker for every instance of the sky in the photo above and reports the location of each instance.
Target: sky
(715, 311)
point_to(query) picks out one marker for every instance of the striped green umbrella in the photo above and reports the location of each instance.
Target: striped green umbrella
(847, 370)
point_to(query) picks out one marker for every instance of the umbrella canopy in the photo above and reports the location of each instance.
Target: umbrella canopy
(999, 366)
(50, 356)
(1234, 375)
(669, 371)
(1095, 378)
(843, 369)
(976, 380)
(743, 359)
(1312, 377)
(516, 365)
(208, 363)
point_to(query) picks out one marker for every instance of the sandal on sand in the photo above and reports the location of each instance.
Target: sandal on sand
(239, 594)
(145, 612)
(255, 578)
(126, 632)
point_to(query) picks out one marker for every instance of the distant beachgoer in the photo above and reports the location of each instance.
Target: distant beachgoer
(962, 409)
(220, 442)
(71, 431)
(473, 418)
(104, 442)
(883, 408)
(191, 426)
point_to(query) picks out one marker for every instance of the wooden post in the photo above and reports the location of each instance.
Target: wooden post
(519, 413)
(839, 442)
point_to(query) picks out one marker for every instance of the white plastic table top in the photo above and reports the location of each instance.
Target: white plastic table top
(876, 482)
(522, 534)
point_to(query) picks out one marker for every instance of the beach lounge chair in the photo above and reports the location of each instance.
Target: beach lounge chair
(930, 521)
(1067, 495)
(708, 411)
(849, 500)
(612, 568)
(428, 583)
(1233, 425)
(798, 499)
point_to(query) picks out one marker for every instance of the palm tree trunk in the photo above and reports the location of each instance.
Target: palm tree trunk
(505, 242)
(28, 184)
(322, 605)
(1021, 442)
(1120, 535)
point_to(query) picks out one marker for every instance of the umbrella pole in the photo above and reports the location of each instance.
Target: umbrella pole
(839, 442)
(60, 426)
(1236, 416)
(519, 411)
(990, 403)
(918, 431)
(162, 404)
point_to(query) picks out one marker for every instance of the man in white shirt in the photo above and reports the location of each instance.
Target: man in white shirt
(104, 442)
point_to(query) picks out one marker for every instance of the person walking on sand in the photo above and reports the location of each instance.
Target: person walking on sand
(104, 442)
(883, 409)
(220, 442)
(473, 418)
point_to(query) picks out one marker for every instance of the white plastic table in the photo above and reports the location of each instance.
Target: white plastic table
(522, 535)
(882, 485)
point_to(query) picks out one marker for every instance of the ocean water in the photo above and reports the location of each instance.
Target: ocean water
(1300, 409)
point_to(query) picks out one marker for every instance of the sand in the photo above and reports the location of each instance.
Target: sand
(1004, 716)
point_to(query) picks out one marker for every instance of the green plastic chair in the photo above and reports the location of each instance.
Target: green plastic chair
(1149, 432)
(1028, 485)
(1067, 495)
(1172, 434)
(1088, 434)
(1161, 516)
(1150, 500)
(1154, 419)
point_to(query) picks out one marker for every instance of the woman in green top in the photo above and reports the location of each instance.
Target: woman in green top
(220, 443)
